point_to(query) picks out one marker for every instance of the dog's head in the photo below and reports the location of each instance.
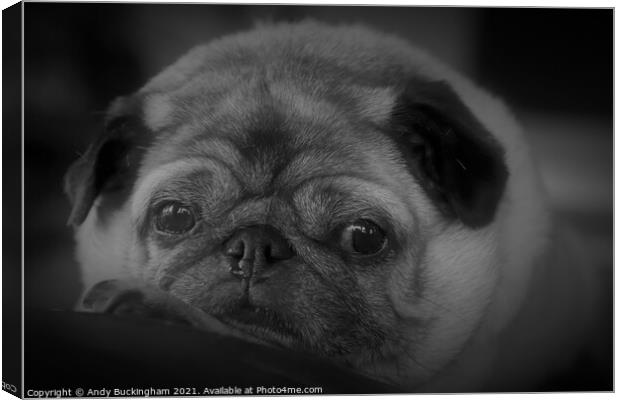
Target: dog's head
(305, 185)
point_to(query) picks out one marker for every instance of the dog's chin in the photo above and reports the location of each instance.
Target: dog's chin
(262, 325)
(267, 327)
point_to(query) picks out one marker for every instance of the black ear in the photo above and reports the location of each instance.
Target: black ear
(458, 162)
(109, 165)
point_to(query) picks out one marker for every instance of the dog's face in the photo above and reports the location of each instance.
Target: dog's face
(315, 206)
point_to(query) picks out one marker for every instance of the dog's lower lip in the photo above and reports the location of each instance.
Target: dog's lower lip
(255, 323)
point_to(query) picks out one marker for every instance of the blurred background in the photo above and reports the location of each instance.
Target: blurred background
(554, 67)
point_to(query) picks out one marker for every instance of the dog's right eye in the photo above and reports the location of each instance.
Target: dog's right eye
(174, 218)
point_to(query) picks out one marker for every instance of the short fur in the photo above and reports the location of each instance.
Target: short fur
(306, 127)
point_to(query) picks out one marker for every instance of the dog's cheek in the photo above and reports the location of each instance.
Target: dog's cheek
(459, 277)
(166, 257)
(405, 283)
(380, 316)
(377, 298)
(343, 321)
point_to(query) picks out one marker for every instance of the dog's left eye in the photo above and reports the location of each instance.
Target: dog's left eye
(363, 237)
(175, 218)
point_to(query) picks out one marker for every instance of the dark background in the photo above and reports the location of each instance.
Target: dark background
(553, 66)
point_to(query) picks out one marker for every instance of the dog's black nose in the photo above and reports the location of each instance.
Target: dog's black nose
(256, 248)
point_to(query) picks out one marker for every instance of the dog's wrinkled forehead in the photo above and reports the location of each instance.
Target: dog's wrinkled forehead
(272, 133)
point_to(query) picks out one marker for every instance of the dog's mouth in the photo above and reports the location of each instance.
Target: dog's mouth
(263, 324)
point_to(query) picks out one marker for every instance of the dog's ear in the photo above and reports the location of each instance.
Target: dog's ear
(110, 162)
(459, 164)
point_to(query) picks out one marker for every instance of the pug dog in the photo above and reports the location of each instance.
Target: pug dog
(336, 191)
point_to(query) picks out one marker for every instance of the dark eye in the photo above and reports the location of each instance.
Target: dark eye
(175, 218)
(363, 237)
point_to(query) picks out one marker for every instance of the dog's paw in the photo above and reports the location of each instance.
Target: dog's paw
(105, 296)
(123, 298)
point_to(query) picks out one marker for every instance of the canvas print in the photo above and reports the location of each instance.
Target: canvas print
(306, 200)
